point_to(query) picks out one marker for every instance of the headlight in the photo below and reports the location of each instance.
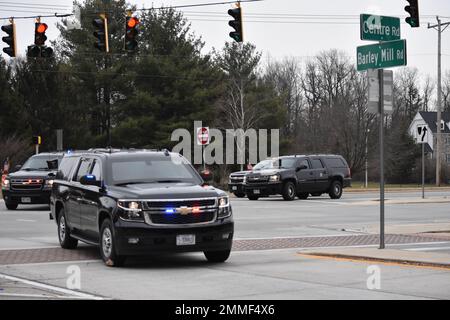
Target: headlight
(224, 202)
(274, 178)
(5, 184)
(224, 210)
(49, 183)
(130, 210)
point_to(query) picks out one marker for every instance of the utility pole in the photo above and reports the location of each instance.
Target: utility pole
(366, 181)
(440, 27)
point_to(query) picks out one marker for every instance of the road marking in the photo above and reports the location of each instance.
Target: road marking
(44, 286)
(51, 263)
(25, 220)
(429, 249)
(37, 296)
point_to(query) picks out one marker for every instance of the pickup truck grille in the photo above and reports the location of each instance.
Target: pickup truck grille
(26, 184)
(257, 179)
(236, 180)
(181, 212)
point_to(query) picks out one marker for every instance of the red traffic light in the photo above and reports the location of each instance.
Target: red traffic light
(41, 27)
(132, 22)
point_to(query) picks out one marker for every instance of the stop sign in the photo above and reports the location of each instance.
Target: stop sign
(203, 136)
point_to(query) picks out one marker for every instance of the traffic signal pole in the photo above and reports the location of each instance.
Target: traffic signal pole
(440, 27)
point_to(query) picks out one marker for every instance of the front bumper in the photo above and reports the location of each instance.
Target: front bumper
(264, 189)
(236, 188)
(20, 197)
(159, 239)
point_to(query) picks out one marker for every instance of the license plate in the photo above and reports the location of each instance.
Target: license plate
(234, 188)
(256, 191)
(26, 200)
(185, 239)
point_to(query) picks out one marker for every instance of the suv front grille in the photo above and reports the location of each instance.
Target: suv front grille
(180, 219)
(26, 184)
(257, 179)
(179, 212)
(237, 179)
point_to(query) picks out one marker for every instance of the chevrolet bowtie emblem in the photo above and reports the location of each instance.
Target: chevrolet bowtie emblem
(184, 210)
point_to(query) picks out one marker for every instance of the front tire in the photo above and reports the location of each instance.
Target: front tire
(65, 239)
(253, 198)
(217, 256)
(335, 189)
(11, 205)
(289, 191)
(108, 246)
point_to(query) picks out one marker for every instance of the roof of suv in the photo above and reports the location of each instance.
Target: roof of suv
(119, 152)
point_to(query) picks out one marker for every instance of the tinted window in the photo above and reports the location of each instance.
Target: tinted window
(44, 163)
(150, 168)
(83, 168)
(281, 163)
(304, 162)
(317, 164)
(335, 163)
(66, 167)
(96, 170)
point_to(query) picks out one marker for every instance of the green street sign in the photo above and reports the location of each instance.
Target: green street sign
(379, 28)
(382, 55)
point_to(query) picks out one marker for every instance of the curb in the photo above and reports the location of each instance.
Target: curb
(373, 259)
(443, 189)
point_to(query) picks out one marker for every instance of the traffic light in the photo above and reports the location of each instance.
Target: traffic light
(101, 33)
(236, 13)
(39, 49)
(413, 10)
(10, 40)
(130, 34)
(37, 140)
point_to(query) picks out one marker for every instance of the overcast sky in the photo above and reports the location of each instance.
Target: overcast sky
(279, 28)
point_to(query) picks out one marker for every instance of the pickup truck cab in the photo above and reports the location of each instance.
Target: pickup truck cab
(138, 202)
(298, 175)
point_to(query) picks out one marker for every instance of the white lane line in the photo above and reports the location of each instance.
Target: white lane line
(25, 220)
(37, 296)
(429, 249)
(44, 286)
(29, 248)
(295, 237)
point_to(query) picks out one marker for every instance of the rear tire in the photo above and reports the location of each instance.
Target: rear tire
(65, 239)
(253, 198)
(108, 246)
(239, 195)
(217, 256)
(289, 191)
(335, 189)
(11, 205)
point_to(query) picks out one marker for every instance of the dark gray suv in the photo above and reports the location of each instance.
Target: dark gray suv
(299, 175)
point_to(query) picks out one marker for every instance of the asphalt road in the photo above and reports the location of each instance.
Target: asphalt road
(254, 274)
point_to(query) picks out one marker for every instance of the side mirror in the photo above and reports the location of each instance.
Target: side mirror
(90, 180)
(18, 167)
(302, 167)
(206, 175)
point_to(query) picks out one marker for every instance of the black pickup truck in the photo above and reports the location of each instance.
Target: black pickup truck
(299, 175)
(32, 183)
(138, 202)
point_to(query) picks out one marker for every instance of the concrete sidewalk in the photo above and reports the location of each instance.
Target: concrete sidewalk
(398, 189)
(426, 259)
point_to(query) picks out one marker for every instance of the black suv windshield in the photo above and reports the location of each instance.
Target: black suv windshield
(145, 168)
(282, 163)
(44, 163)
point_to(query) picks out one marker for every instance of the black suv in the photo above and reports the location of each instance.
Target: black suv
(236, 183)
(300, 175)
(138, 202)
(32, 183)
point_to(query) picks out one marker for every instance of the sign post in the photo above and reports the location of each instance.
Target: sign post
(203, 139)
(389, 52)
(422, 138)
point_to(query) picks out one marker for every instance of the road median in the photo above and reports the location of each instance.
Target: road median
(393, 256)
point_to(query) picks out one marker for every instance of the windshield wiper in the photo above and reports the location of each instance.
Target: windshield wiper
(167, 181)
(131, 182)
